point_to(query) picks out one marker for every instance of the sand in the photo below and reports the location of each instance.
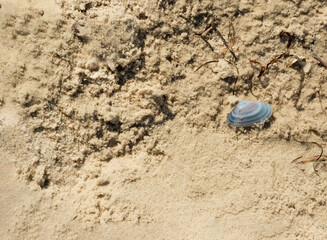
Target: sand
(110, 130)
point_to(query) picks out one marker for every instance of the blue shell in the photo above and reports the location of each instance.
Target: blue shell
(246, 114)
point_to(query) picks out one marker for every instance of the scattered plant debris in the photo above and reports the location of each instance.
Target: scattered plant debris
(212, 26)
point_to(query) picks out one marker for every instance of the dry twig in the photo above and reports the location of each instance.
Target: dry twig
(285, 54)
(212, 61)
(229, 45)
(316, 158)
(290, 38)
(297, 94)
(231, 35)
(319, 157)
(264, 68)
(213, 26)
(225, 43)
(319, 95)
(315, 56)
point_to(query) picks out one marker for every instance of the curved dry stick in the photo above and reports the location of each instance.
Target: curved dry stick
(315, 56)
(310, 159)
(238, 73)
(297, 94)
(205, 64)
(290, 38)
(231, 35)
(225, 43)
(319, 95)
(313, 159)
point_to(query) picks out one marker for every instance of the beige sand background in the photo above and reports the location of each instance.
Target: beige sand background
(107, 131)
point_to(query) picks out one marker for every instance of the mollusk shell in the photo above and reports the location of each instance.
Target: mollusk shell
(246, 114)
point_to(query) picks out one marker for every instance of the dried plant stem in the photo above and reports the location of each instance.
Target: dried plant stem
(320, 156)
(315, 56)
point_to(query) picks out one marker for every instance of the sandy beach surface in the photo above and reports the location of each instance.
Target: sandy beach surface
(113, 119)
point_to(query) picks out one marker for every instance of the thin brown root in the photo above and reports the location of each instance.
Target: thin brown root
(276, 59)
(264, 68)
(212, 25)
(213, 61)
(250, 83)
(203, 33)
(290, 38)
(285, 54)
(314, 159)
(238, 73)
(297, 94)
(294, 160)
(234, 85)
(319, 95)
(315, 56)
(321, 150)
(231, 35)
(207, 43)
(253, 93)
(206, 30)
(225, 43)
